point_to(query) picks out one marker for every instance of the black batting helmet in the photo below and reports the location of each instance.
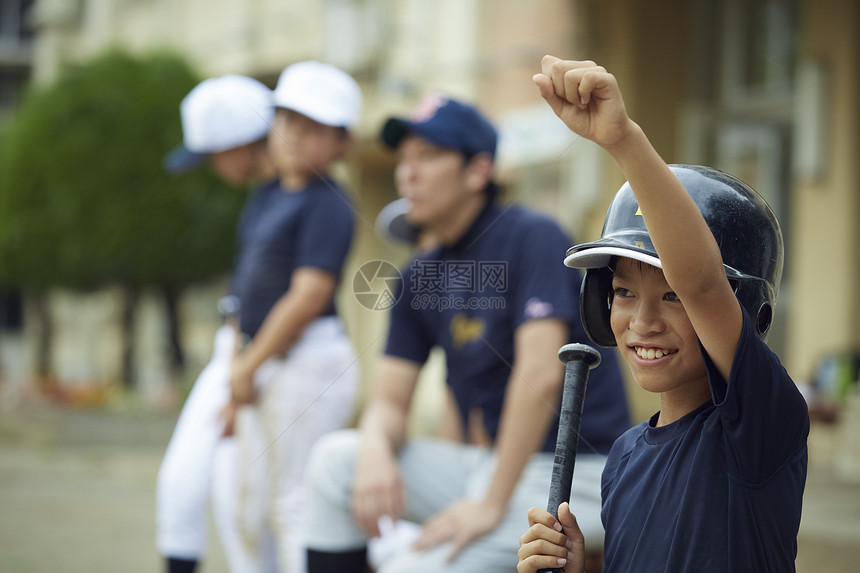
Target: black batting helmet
(743, 224)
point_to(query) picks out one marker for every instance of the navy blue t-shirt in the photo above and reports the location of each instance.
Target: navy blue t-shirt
(470, 297)
(720, 489)
(281, 231)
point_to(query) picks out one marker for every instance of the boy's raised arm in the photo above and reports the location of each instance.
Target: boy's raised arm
(587, 98)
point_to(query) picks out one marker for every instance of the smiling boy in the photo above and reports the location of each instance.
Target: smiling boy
(683, 281)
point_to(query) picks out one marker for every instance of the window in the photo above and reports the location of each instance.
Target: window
(14, 21)
(759, 49)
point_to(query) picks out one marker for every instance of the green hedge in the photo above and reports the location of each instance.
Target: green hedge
(84, 199)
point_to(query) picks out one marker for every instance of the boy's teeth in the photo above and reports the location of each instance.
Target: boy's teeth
(650, 353)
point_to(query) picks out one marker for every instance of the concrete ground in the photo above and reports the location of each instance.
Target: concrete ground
(77, 491)
(77, 495)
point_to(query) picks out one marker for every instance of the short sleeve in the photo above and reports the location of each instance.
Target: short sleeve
(325, 235)
(764, 416)
(542, 287)
(408, 336)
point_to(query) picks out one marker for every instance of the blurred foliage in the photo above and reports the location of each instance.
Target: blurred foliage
(84, 199)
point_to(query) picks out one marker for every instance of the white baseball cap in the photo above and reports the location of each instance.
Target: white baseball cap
(220, 114)
(321, 92)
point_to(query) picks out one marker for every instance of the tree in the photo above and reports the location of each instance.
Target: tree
(84, 200)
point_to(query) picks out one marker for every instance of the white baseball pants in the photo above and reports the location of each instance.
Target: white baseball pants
(200, 464)
(303, 396)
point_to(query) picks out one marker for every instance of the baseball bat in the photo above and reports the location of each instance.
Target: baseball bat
(578, 359)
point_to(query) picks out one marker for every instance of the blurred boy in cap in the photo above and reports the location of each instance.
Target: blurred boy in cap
(225, 121)
(293, 243)
(494, 296)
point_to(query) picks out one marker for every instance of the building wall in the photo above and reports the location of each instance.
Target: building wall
(219, 36)
(825, 246)
(669, 57)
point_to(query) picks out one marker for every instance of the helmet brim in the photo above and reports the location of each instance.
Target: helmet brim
(598, 254)
(181, 159)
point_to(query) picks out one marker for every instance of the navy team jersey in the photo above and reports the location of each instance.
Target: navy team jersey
(470, 297)
(720, 489)
(281, 231)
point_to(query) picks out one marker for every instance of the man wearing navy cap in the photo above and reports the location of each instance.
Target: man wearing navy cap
(492, 296)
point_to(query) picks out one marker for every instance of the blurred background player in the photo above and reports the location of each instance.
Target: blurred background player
(501, 328)
(393, 224)
(225, 121)
(396, 536)
(294, 238)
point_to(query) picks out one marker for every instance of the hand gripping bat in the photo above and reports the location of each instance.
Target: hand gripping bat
(578, 360)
